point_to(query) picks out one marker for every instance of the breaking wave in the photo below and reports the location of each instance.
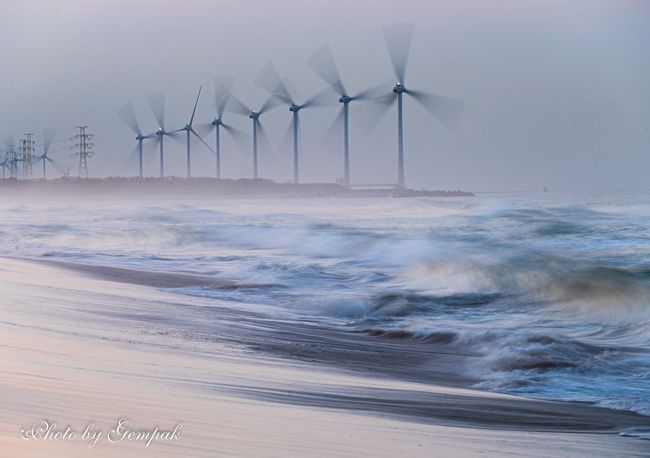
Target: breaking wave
(550, 295)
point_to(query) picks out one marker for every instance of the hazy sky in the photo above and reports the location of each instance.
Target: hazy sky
(557, 93)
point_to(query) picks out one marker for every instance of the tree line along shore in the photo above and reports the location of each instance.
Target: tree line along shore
(175, 186)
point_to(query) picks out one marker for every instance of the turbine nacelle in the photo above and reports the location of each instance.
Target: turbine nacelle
(140, 137)
(345, 99)
(399, 88)
(187, 127)
(217, 122)
(294, 108)
(254, 115)
(161, 131)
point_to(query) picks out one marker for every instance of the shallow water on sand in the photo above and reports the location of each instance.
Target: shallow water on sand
(550, 291)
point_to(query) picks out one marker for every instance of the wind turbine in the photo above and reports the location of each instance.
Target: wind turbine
(222, 93)
(48, 137)
(190, 130)
(446, 110)
(236, 105)
(157, 103)
(270, 81)
(127, 113)
(323, 64)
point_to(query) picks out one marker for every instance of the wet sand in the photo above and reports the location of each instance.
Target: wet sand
(105, 344)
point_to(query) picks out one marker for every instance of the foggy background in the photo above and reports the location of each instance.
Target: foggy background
(557, 93)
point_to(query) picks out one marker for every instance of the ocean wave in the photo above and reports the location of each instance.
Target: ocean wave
(549, 295)
(586, 293)
(443, 338)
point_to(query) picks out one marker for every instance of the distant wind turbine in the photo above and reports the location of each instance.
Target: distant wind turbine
(222, 91)
(48, 137)
(323, 64)
(447, 110)
(157, 103)
(270, 81)
(236, 105)
(127, 113)
(190, 130)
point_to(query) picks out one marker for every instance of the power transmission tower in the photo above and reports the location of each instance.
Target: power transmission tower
(12, 161)
(27, 150)
(85, 146)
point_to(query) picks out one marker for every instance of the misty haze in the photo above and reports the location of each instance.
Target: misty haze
(555, 93)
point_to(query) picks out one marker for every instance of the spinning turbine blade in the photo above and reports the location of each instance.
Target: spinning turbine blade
(291, 88)
(325, 98)
(220, 104)
(176, 137)
(203, 129)
(446, 109)
(133, 157)
(237, 106)
(266, 144)
(238, 136)
(398, 41)
(147, 149)
(269, 80)
(372, 112)
(270, 103)
(57, 166)
(222, 89)
(333, 137)
(203, 141)
(157, 104)
(322, 63)
(48, 138)
(286, 145)
(195, 104)
(127, 113)
(376, 91)
(225, 81)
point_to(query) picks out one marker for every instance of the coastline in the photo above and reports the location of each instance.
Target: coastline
(209, 187)
(102, 344)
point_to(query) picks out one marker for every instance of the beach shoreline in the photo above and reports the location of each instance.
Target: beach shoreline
(175, 187)
(71, 358)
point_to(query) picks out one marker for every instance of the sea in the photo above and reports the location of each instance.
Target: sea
(550, 292)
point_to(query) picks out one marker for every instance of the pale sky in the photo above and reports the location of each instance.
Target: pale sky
(557, 93)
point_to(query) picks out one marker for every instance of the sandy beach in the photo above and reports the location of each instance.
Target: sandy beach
(87, 345)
